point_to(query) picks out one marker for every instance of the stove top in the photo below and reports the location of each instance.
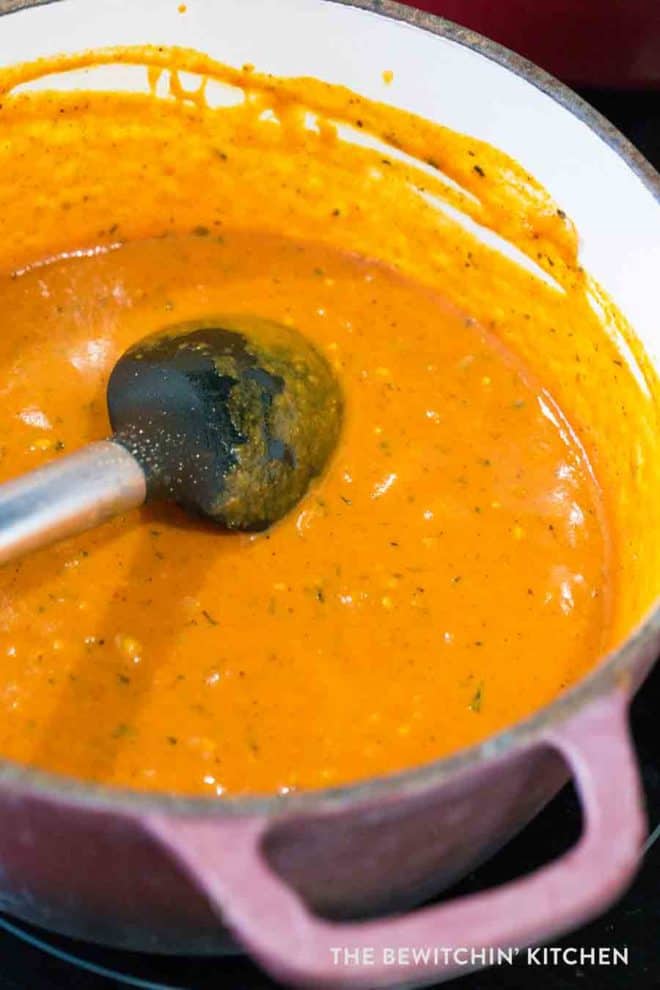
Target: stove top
(32, 959)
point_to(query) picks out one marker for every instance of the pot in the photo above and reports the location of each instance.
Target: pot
(292, 880)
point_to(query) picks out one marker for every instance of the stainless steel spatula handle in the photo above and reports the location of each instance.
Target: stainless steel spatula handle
(68, 496)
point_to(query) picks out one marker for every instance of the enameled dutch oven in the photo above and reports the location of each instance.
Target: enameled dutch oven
(289, 879)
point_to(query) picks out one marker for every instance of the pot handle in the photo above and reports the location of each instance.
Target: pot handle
(226, 862)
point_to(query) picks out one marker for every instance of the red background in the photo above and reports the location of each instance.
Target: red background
(586, 42)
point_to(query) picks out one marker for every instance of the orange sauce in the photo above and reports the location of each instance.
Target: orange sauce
(462, 560)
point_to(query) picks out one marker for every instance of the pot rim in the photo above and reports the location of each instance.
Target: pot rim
(613, 670)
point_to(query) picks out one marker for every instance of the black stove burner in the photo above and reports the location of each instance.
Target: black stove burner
(32, 959)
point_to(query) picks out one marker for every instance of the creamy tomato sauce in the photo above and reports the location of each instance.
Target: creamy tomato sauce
(454, 569)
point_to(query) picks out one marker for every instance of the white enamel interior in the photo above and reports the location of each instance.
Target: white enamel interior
(617, 216)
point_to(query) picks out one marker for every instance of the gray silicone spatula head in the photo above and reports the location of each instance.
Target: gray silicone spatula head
(230, 417)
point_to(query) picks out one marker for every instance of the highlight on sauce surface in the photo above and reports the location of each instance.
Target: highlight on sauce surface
(463, 559)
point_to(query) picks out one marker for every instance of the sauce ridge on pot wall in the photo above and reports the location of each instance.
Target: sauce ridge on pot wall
(472, 549)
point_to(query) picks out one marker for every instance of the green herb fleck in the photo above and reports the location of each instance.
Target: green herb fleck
(122, 731)
(477, 699)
